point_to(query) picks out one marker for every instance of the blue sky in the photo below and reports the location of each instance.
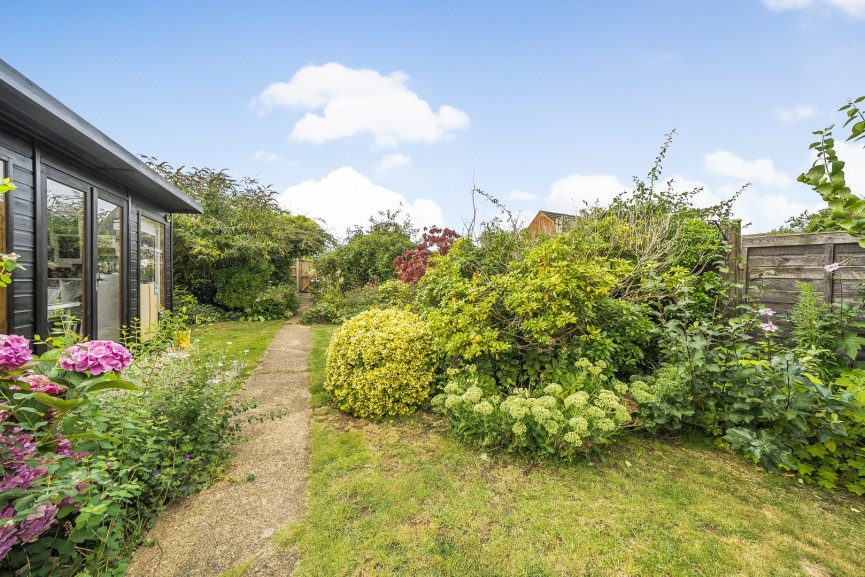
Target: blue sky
(348, 108)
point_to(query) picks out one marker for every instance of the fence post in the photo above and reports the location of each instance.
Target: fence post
(734, 261)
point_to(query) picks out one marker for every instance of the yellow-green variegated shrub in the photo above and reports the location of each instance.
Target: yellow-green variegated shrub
(380, 364)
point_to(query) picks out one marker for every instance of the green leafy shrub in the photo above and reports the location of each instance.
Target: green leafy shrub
(366, 258)
(196, 312)
(237, 286)
(741, 381)
(837, 458)
(96, 468)
(548, 302)
(379, 364)
(560, 420)
(276, 302)
(333, 306)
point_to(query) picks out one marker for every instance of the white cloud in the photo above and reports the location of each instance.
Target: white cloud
(853, 155)
(704, 198)
(852, 7)
(760, 205)
(267, 156)
(791, 114)
(763, 208)
(762, 170)
(360, 101)
(768, 210)
(570, 193)
(393, 161)
(520, 196)
(345, 198)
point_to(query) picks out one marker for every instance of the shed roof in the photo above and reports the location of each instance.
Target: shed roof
(32, 109)
(557, 216)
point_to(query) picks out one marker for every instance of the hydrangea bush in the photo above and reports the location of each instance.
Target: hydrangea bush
(84, 474)
(379, 364)
(42, 402)
(559, 420)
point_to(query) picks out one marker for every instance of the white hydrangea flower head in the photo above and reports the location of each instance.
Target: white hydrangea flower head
(553, 389)
(483, 408)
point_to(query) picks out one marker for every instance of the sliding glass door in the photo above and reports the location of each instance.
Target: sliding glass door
(109, 268)
(66, 260)
(151, 289)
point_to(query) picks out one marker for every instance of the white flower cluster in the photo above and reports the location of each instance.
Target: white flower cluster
(580, 420)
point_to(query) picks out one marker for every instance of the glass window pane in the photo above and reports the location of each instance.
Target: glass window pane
(65, 255)
(109, 297)
(151, 274)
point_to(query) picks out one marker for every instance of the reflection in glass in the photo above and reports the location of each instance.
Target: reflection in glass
(109, 299)
(65, 254)
(151, 274)
(3, 174)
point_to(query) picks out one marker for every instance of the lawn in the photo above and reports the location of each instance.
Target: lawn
(404, 497)
(239, 339)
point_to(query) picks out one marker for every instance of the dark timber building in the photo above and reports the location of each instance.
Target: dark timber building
(90, 221)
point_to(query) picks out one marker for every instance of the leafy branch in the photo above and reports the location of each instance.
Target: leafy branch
(827, 174)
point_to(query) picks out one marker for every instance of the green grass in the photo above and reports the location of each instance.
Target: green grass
(240, 570)
(240, 339)
(320, 338)
(405, 498)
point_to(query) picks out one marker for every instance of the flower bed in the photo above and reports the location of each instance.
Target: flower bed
(94, 445)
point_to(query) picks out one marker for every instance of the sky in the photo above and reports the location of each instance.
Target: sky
(349, 108)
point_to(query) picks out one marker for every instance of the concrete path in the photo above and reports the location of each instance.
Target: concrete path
(233, 521)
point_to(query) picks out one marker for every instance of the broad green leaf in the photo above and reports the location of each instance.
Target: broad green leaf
(121, 385)
(61, 405)
(91, 437)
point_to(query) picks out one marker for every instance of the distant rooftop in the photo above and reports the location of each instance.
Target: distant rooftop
(557, 216)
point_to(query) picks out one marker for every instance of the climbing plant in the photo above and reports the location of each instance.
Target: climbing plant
(827, 174)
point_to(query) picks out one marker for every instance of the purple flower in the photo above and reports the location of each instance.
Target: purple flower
(37, 522)
(8, 531)
(155, 474)
(832, 267)
(14, 352)
(769, 327)
(64, 449)
(42, 384)
(187, 457)
(97, 357)
(766, 311)
(18, 453)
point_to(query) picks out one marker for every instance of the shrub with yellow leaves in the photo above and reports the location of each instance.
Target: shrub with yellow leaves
(380, 364)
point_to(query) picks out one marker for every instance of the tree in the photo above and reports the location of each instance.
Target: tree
(412, 264)
(368, 255)
(242, 239)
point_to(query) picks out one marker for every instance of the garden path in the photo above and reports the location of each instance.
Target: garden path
(232, 522)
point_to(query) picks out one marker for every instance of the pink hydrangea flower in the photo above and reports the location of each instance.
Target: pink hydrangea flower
(97, 357)
(766, 311)
(832, 267)
(42, 384)
(14, 352)
(769, 327)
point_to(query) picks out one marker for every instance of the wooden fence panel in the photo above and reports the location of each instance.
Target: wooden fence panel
(774, 263)
(301, 272)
